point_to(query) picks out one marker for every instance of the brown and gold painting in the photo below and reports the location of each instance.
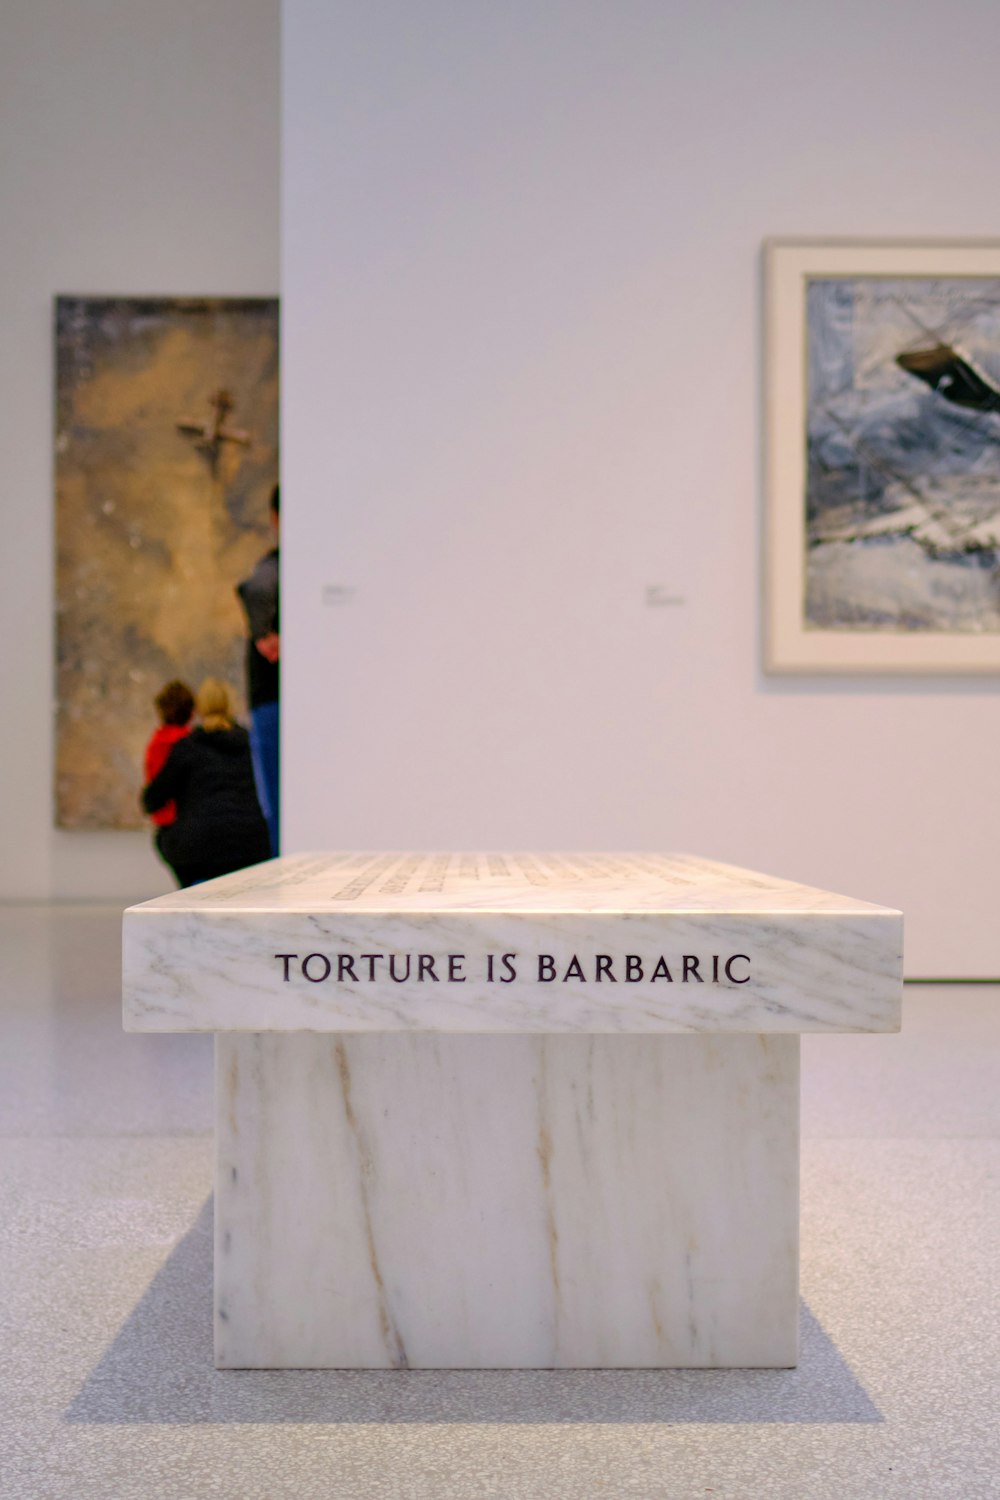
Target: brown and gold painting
(166, 454)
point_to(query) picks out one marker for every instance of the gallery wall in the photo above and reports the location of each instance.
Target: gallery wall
(138, 154)
(522, 390)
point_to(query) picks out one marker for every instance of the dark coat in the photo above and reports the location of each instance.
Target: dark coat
(219, 825)
(259, 596)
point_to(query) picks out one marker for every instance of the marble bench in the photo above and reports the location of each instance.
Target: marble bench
(507, 1110)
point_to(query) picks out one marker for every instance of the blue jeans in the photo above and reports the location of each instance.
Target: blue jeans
(265, 748)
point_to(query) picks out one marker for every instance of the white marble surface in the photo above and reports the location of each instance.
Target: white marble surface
(534, 882)
(799, 959)
(451, 1201)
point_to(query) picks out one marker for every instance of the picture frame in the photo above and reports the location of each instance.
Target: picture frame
(165, 454)
(882, 456)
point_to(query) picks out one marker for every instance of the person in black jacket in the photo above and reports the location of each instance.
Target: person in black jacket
(209, 775)
(259, 595)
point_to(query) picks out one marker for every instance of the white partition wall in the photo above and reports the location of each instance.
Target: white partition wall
(521, 382)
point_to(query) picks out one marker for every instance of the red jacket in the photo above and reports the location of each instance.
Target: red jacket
(157, 751)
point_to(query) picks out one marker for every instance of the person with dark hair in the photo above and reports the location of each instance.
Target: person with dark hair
(208, 776)
(175, 704)
(259, 596)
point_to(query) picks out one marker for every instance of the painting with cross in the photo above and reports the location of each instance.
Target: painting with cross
(166, 454)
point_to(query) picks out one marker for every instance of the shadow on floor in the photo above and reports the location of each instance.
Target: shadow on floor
(159, 1369)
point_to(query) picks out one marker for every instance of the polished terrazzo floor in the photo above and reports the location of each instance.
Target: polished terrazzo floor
(106, 1384)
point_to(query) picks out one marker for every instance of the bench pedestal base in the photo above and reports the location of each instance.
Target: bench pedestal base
(445, 1201)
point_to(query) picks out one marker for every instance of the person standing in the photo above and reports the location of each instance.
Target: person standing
(259, 596)
(175, 705)
(208, 777)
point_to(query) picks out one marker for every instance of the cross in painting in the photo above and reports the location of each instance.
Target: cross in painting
(209, 436)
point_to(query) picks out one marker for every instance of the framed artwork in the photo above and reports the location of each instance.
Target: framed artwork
(166, 451)
(882, 456)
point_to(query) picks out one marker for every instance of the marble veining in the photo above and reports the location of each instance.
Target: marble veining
(337, 943)
(507, 1110)
(424, 883)
(420, 1201)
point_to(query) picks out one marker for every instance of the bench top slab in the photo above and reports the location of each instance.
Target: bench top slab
(509, 943)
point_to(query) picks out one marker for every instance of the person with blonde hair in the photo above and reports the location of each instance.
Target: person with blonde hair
(214, 706)
(209, 777)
